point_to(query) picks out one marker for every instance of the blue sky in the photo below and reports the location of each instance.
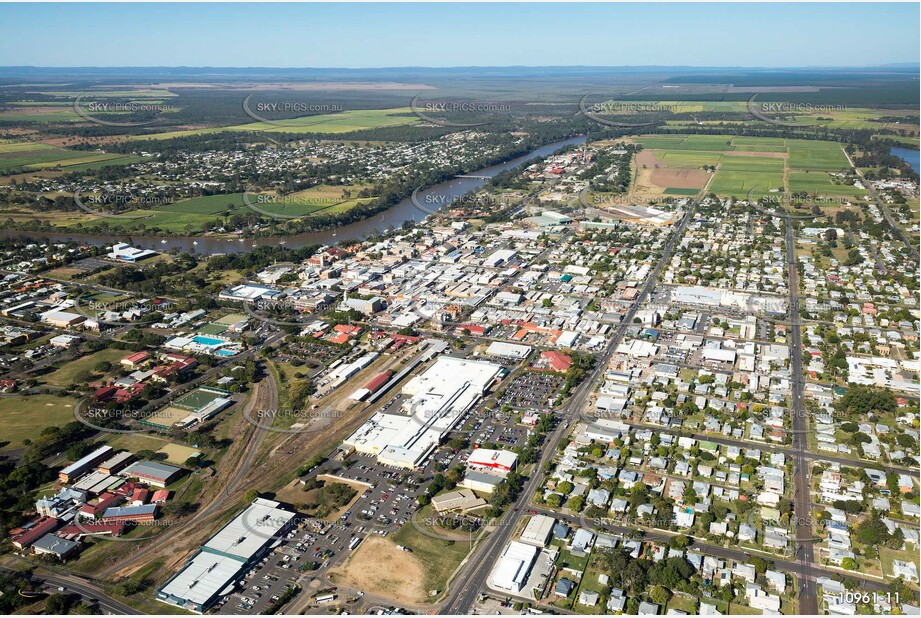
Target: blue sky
(438, 35)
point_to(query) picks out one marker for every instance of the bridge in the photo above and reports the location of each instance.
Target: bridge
(475, 177)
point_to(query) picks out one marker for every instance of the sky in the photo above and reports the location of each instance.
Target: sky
(441, 35)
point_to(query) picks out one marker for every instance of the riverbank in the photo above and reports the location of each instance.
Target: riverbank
(405, 210)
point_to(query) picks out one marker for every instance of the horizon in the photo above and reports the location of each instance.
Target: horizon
(381, 36)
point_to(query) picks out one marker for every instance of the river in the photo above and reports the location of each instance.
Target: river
(910, 155)
(442, 193)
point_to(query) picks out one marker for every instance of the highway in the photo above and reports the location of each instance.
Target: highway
(462, 598)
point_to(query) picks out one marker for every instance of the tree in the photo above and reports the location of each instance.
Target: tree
(659, 594)
(575, 503)
(849, 564)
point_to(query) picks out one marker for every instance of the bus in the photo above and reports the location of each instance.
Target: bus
(354, 543)
(326, 598)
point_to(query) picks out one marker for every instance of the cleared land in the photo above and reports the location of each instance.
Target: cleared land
(378, 567)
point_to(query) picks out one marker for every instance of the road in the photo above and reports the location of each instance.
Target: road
(808, 599)
(84, 588)
(896, 230)
(725, 553)
(462, 598)
(770, 448)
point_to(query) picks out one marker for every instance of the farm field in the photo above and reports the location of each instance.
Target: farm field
(759, 165)
(343, 122)
(18, 156)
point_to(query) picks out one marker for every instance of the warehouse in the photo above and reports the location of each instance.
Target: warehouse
(439, 397)
(538, 530)
(213, 571)
(152, 472)
(481, 482)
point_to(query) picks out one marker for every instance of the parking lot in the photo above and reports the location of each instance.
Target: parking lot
(532, 391)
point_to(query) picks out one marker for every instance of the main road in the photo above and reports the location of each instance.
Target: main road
(465, 594)
(808, 599)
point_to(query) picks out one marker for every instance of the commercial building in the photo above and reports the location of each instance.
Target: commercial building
(500, 349)
(481, 482)
(461, 500)
(438, 399)
(214, 570)
(493, 461)
(123, 252)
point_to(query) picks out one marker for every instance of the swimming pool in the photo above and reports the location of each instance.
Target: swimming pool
(208, 341)
(226, 352)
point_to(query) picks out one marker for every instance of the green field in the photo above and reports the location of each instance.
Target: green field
(9, 147)
(690, 158)
(24, 417)
(677, 191)
(812, 155)
(67, 373)
(821, 184)
(194, 213)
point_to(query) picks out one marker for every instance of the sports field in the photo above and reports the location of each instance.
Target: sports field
(199, 398)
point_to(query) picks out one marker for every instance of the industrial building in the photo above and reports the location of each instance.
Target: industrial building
(214, 570)
(512, 569)
(538, 530)
(438, 399)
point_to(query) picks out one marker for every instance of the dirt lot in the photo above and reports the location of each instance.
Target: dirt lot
(378, 567)
(680, 178)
